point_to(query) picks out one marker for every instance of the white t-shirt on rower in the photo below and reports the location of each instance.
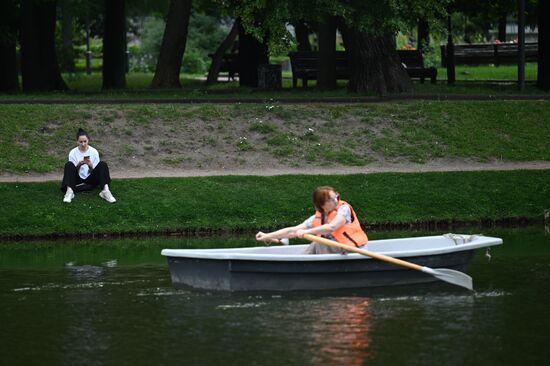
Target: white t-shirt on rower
(75, 156)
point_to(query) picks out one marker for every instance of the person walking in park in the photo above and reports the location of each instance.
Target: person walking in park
(85, 171)
(334, 219)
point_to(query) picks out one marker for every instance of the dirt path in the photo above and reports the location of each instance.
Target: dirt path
(433, 166)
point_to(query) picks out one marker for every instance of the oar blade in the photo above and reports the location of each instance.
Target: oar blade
(451, 276)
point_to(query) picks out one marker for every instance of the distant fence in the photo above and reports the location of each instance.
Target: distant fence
(489, 53)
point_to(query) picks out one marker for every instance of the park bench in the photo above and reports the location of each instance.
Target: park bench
(230, 64)
(413, 60)
(489, 53)
(305, 66)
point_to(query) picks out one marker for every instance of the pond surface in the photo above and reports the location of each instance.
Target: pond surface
(111, 302)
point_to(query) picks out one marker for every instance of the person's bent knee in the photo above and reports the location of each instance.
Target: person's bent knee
(69, 165)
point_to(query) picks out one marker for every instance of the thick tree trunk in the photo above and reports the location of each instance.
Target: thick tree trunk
(423, 34)
(502, 28)
(217, 58)
(252, 53)
(9, 78)
(167, 73)
(39, 68)
(374, 64)
(302, 36)
(67, 55)
(114, 45)
(543, 68)
(326, 78)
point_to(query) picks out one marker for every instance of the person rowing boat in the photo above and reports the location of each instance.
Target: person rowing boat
(334, 219)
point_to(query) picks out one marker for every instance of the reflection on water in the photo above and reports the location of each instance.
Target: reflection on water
(113, 303)
(341, 332)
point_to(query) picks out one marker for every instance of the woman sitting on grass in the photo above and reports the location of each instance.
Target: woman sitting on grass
(334, 219)
(85, 171)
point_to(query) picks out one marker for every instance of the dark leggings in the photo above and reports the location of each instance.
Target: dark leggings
(98, 177)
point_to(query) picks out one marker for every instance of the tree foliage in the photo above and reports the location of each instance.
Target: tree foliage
(376, 17)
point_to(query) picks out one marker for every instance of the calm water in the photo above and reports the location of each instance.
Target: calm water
(111, 302)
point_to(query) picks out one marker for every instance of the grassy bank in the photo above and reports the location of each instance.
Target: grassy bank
(38, 137)
(250, 203)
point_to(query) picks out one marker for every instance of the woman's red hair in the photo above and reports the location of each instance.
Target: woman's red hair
(321, 195)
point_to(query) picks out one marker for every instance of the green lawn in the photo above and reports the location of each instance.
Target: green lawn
(469, 81)
(251, 203)
(489, 72)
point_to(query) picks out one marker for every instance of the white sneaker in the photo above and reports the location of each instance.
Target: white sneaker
(107, 196)
(68, 197)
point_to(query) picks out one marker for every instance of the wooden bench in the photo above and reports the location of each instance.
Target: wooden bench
(230, 64)
(413, 60)
(305, 66)
(489, 53)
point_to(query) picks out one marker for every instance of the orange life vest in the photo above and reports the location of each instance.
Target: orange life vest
(349, 233)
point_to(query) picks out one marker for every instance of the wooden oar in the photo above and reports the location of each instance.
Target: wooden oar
(444, 274)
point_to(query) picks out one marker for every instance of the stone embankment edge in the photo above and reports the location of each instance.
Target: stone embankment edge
(431, 225)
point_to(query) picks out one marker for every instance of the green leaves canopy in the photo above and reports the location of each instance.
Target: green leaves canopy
(270, 17)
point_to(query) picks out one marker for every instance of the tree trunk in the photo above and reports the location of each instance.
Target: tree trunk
(374, 64)
(326, 78)
(543, 68)
(423, 34)
(39, 68)
(302, 36)
(217, 58)
(167, 73)
(502, 28)
(67, 54)
(450, 56)
(252, 53)
(114, 41)
(9, 78)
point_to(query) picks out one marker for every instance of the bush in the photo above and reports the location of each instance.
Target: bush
(193, 62)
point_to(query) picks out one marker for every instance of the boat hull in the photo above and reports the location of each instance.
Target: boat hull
(260, 275)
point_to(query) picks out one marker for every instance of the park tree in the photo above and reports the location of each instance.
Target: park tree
(66, 58)
(255, 32)
(9, 79)
(39, 67)
(173, 45)
(326, 36)
(252, 53)
(323, 18)
(301, 32)
(423, 33)
(114, 45)
(374, 63)
(217, 57)
(369, 29)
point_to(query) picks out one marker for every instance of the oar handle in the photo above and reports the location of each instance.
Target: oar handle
(368, 253)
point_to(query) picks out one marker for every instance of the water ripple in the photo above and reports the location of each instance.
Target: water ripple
(241, 306)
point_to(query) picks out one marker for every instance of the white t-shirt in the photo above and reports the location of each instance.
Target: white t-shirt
(75, 156)
(343, 211)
